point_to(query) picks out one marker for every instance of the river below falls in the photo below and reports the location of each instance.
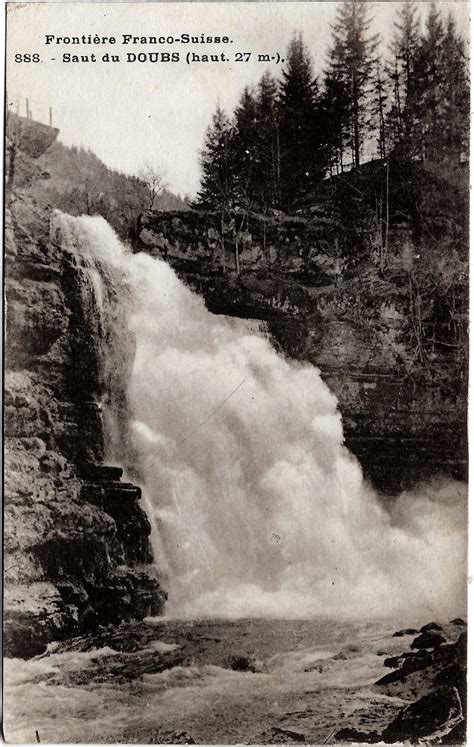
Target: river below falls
(168, 681)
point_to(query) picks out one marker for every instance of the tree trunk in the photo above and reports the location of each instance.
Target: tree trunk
(387, 208)
(222, 240)
(237, 262)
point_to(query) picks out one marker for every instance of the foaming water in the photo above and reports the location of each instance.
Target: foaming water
(150, 690)
(258, 507)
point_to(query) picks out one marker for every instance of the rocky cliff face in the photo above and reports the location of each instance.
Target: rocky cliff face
(76, 538)
(404, 418)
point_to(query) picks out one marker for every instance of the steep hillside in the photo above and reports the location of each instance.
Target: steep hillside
(79, 183)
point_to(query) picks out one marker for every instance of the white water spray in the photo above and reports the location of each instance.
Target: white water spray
(259, 507)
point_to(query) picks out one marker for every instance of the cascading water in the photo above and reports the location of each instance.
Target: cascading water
(259, 507)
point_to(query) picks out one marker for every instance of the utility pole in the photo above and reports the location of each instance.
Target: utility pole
(27, 109)
(50, 116)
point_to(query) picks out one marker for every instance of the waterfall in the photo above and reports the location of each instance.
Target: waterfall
(257, 505)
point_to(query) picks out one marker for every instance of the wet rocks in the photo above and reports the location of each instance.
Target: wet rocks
(91, 555)
(405, 631)
(439, 711)
(436, 680)
(35, 614)
(393, 662)
(436, 716)
(428, 639)
(431, 627)
(433, 678)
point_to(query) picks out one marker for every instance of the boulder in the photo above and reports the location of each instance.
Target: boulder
(428, 639)
(405, 631)
(440, 710)
(393, 662)
(430, 627)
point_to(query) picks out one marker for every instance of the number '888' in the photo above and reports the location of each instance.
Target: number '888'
(33, 57)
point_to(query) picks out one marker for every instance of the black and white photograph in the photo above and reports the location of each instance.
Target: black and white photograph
(236, 304)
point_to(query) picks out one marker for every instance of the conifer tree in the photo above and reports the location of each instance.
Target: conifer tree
(335, 108)
(299, 139)
(245, 149)
(268, 143)
(428, 88)
(217, 161)
(378, 109)
(351, 61)
(455, 114)
(404, 50)
(431, 102)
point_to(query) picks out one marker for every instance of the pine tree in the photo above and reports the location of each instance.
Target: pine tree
(378, 109)
(395, 115)
(404, 49)
(299, 140)
(245, 156)
(217, 161)
(430, 112)
(351, 60)
(426, 106)
(268, 188)
(455, 115)
(245, 149)
(335, 107)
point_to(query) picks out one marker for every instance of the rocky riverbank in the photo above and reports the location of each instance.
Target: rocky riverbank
(432, 676)
(245, 681)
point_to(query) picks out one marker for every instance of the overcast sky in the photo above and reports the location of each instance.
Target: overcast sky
(132, 113)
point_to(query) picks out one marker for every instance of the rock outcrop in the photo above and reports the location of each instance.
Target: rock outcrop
(433, 680)
(76, 538)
